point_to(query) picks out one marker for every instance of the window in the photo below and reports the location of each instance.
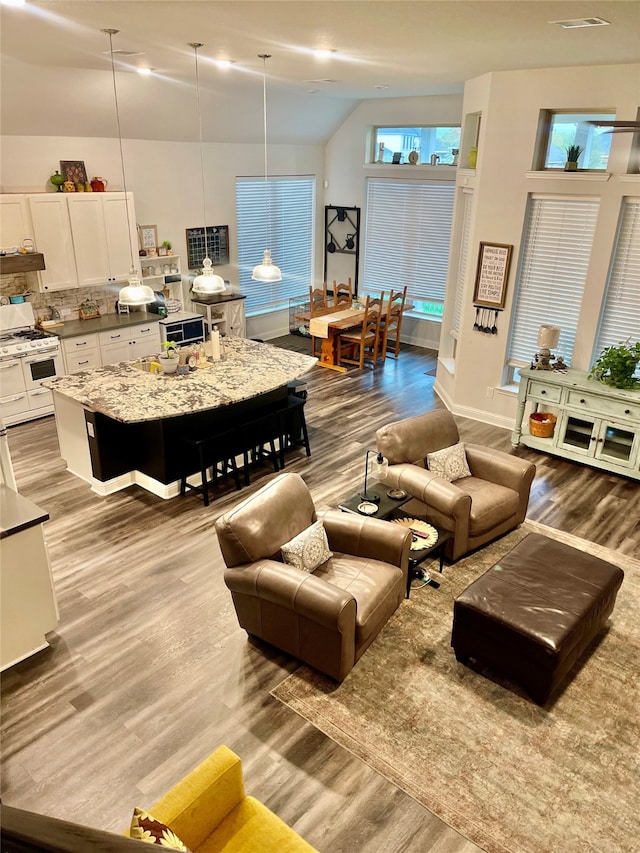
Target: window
(556, 248)
(621, 310)
(291, 207)
(443, 141)
(565, 129)
(463, 258)
(406, 239)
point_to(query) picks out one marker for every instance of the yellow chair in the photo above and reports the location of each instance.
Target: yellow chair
(318, 303)
(363, 344)
(209, 811)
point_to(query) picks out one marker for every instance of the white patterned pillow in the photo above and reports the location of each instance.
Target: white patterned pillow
(449, 463)
(308, 549)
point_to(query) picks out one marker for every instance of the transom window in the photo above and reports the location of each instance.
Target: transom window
(565, 129)
(426, 140)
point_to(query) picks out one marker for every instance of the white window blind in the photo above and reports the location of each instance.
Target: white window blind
(555, 254)
(291, 205)
(407, 234)
(463, 257)
(621, 312)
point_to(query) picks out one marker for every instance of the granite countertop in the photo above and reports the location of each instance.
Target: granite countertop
(75, 328)
(126, 393)
(18, 513)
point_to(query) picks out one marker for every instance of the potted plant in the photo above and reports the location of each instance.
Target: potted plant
(573, 153)
(165, 248)
(616, 366)
(169, 359)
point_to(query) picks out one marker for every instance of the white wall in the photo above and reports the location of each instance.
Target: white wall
(510, 103)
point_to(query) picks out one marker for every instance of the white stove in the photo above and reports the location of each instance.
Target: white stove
(28, 357)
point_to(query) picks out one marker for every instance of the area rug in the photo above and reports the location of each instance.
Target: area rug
(510, 776)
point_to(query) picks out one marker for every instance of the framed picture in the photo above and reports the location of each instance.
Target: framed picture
(148, 236)
(492, 274)
(73, 170)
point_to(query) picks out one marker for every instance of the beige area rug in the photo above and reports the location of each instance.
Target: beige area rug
(505, 773)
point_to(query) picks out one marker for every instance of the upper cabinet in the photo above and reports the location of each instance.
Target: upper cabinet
(52, 235)
(86, 238)
(104, 233)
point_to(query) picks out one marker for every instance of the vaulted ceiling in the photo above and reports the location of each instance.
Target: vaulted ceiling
(56, 73)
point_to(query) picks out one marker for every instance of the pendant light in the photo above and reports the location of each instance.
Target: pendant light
(207, 282)
(267, 270)
(133, 293)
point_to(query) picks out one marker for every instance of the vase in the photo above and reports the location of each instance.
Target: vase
(472, 157)
(571, 166)
(169, 365)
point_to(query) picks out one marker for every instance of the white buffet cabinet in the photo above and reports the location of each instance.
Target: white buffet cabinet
(226, 312)
(597, 425)
(27, 601)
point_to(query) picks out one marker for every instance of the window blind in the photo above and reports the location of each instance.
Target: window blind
(463, 257)
(406, 239)
(620, 317)
(289, 202)
(554, 259)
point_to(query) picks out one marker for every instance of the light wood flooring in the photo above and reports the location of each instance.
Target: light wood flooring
(148, 671)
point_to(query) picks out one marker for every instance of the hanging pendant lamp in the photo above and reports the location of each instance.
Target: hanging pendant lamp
(133, 293)
(267, 270)
(207, 282)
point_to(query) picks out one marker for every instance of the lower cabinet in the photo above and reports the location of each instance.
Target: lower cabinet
(597, 425)
(110, 347)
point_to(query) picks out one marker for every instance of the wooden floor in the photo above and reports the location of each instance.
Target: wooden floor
(148, 671)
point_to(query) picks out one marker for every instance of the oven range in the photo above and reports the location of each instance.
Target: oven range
(28, 357)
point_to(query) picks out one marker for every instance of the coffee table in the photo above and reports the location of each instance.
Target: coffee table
(390, 508)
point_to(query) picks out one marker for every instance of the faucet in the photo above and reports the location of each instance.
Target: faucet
(434, 159)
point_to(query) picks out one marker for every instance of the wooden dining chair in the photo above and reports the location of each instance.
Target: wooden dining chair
(342, 293)
(357, 346)
(318, 303)
(390, 327)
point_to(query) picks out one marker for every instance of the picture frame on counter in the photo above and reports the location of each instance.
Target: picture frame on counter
(148, 236)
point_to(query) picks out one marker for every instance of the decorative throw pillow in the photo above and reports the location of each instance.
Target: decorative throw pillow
(146, 828)
(449, 463)
(308, 549)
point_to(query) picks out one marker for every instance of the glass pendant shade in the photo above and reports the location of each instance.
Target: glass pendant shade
(267, 270)
(135, 293)
(208, 281)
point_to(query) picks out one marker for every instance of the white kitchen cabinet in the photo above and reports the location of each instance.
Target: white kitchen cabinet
(104, 236)
(81, 353)
(228, 315)
(15, 223)
(145, 340)
(52, 235)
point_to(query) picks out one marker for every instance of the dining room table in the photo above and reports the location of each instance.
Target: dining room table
(329, 323)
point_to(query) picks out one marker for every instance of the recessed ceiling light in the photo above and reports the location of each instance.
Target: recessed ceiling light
(575, 23)
(14, 2)
(381, 86)
(124, 52)
(313, 91)
(224, 63)
(145, 71)
(324, 52)
(326, 80)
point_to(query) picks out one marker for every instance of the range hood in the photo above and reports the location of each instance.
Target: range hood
(31, 262)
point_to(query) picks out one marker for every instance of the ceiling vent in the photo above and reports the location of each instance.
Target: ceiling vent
(575, 23)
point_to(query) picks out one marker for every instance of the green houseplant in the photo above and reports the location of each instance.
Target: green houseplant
(573, 153)
(169, 359)
(615, 366)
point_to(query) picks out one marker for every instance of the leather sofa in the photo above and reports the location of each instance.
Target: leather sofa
(326, 618)
(476, 509)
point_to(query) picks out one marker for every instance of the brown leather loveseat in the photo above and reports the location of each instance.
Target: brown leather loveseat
(330, 616)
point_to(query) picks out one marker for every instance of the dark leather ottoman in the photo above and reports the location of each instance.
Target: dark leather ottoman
(533, 614)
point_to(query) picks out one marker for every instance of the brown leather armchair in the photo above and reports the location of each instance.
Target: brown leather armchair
(327, 618)
(476, 509)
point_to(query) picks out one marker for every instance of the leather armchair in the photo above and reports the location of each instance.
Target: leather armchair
(476, 509)
(327, 618)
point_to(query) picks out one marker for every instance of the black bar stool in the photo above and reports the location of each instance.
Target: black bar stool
(293, 426)
(216, 452)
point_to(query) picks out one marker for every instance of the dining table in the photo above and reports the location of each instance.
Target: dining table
(329, 323)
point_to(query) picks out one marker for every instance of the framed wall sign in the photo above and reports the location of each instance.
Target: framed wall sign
(492, 274)
(148, 236)
(73, 170)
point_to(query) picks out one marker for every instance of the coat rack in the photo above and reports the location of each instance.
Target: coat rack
(342, 237)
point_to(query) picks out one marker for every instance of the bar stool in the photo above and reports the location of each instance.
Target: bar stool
(258, 442)
(216, 452)
(293, 426)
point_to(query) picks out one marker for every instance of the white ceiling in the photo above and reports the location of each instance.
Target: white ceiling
(56, 78)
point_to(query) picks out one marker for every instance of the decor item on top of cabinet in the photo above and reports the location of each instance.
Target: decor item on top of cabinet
(616, 366)
(73, 170)
(68, 187)
(472, 157)
(166, 248)
(57, 180)
(492, 274)
(88, 311)
(148, 236)
(98, 185)
(573, 154)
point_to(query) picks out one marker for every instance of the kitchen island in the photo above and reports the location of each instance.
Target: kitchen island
(118, 425)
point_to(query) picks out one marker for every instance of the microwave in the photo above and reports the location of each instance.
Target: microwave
(182, 328)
